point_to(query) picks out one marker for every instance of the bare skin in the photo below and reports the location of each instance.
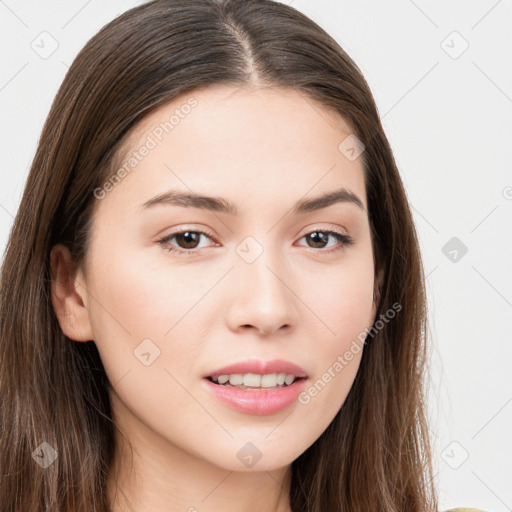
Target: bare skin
(299, 300)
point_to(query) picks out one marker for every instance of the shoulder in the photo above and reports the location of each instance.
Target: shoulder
(463, 509)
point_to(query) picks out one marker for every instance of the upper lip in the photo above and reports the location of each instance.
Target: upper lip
(260, 367)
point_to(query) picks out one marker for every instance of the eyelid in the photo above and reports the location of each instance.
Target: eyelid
(343, 238)
(185, 227)
(164, 241)
(330, 227)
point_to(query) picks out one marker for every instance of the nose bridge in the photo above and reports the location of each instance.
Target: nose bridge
(263, 297)
(260, 264)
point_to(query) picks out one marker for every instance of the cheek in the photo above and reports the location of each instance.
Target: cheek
(142, 306)
(345, 312)
(341, 297)
(144, 298)
(140, 325)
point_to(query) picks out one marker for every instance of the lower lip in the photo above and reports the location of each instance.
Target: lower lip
(258, 401)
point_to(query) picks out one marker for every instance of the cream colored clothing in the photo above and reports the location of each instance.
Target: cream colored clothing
(465, 510)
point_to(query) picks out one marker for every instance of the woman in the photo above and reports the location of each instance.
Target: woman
(277, 366)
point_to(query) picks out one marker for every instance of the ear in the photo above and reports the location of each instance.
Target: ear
(70, 305)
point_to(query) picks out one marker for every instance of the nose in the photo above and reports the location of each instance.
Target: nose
(262, 296)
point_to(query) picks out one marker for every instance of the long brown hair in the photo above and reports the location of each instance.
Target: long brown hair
(375, 455)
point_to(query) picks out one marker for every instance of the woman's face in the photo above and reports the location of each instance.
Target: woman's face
(263, 283)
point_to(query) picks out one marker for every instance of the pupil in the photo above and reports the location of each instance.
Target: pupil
(189, 234)
(319, 235)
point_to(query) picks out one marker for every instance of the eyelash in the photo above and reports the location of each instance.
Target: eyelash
(344, 240)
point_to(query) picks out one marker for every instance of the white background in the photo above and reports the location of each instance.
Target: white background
(448, 116)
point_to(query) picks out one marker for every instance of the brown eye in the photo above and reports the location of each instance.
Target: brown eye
(188, 239)
(320, 238)
(186, 242)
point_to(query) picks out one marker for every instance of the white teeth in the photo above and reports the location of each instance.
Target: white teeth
(236, 379)
(255, 380)
(269, 381)
(252, 380)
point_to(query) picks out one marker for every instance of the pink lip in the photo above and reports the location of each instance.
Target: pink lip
(260, 367)
(257, 401)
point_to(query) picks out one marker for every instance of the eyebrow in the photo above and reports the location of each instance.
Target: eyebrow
(221, 205)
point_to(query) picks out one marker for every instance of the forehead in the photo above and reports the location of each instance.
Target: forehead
(237, 103)
(225, 140)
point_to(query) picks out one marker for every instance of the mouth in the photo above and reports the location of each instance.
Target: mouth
(255, 381)
(255, 393)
